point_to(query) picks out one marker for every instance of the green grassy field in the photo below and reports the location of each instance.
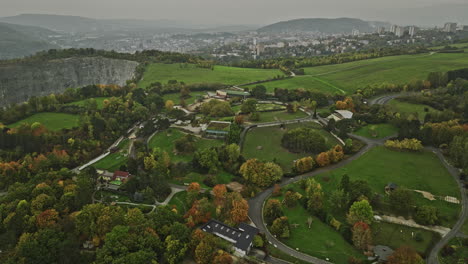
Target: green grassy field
(179, 200)
(190, 73)
(417, 171)
(377, 131)
(113, 161)
(349, 77)
(271, 145)
(165, 141)
(395, 236)
(413, 170)
(465, 227)
(320, 240)
(459, 256)
(53, 121)
(306, 82)
(99, 101)
(175, 97)
(408, 108)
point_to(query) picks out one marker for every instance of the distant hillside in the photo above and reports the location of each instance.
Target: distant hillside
(19, 41)
(323, 25)
(77, 24)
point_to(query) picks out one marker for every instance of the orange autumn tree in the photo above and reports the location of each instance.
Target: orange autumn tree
(200, 212)
(346, 104)
(48, 218)
(219, 192)
(239, 212)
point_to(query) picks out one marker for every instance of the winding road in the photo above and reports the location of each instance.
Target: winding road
(256, 204)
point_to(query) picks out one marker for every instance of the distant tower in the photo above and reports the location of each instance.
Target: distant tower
(450, 27)
(355, 32)
(399, 31)
(413, 30)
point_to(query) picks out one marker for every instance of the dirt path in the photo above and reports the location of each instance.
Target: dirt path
(411, 223)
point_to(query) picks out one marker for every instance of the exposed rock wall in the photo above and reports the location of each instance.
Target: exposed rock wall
(20, 81)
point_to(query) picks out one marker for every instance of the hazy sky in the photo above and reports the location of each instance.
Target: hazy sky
(217, 11)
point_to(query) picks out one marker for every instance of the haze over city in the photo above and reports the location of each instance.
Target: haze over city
(259, 12)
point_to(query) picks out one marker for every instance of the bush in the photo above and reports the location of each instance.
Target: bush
(303, 140)
(405, 144)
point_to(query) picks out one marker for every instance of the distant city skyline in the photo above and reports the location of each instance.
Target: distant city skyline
(257, 12)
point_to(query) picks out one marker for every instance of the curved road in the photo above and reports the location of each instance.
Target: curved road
(433, 255)
(256, 203)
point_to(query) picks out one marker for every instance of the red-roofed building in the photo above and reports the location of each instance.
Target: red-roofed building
(121, 176)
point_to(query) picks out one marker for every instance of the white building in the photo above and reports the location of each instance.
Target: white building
(450, 27)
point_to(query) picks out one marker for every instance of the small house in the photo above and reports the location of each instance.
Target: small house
(121, 176)
(339, 115)
(241, 237)
(382, 253)
(217, 129)
(390, 187)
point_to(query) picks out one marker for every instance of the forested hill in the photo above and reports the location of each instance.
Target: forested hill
(323, 25)
(19, 41)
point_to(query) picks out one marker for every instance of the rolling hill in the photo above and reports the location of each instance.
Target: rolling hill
(323, 25)
(19, 41)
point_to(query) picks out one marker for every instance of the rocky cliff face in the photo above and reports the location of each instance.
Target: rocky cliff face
(20, 81)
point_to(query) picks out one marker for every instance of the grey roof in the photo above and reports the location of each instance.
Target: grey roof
(241, 237)
(383, 252)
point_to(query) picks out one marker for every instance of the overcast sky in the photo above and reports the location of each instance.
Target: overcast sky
(218, 11)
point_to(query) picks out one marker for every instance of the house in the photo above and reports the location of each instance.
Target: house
(105, 175)
(390, 187)
(382, 253)
(240, 237)
(225, 94)
(217, 129)
(340, 115)
(120, 176)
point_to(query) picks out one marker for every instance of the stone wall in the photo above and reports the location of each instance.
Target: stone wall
(20, 81)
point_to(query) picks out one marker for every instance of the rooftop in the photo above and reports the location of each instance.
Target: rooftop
(241, 237)
(345, 113)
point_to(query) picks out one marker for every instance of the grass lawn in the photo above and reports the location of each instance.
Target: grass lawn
(277, 116)
(99, 101)
(271, 144)
(165, 141)
(320, 240)
(179, 200)
(113, 196)
(465, 228)
(302, 81)
(351, 76)
(395, 236)
(275, 252)
(459, 256)
(190, 73)
(53, 121)
(175, 97)
(419, 171)
(377, 131)
(113, 161)
(408, 108)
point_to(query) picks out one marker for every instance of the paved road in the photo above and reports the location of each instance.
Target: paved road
(433, 255)
(256, 203)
